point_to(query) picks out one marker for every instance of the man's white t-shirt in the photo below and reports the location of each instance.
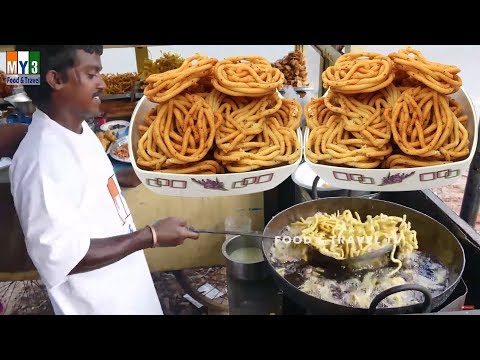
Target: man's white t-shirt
(66, 193)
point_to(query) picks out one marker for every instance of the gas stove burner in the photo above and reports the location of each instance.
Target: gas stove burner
(258, 297)
(265, 298)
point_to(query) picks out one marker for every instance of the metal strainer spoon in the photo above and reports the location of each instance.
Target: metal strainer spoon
(372, 259)
(227, 232)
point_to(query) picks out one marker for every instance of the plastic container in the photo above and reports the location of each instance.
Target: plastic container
(241, 223)
(18, 118)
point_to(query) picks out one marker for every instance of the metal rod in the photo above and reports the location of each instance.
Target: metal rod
(471, 197)
(300, 48)
(141, 54)
(225, 232)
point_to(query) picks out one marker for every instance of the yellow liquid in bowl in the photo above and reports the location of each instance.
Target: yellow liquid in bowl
(247, 255)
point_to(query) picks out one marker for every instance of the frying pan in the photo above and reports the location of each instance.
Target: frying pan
(434, 239)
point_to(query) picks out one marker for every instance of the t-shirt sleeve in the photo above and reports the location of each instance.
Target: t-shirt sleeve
(54, 232)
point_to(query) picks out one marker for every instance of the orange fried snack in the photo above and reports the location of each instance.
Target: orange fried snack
(164, 86)
(368, 120)
(256, 134)
(424, 125)
(355, 73)
(246, 76)
(180, 137)
(439, 77)
(331, 143)
(120, 83)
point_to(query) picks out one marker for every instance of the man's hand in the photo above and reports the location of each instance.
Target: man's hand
(172, 232)
(127, 178)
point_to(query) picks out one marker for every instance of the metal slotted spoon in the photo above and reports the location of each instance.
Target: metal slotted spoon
(371, 259)
(227, 232)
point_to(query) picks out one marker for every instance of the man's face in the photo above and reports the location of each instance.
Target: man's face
(85, 84)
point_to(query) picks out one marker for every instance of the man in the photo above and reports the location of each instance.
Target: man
(78, 229)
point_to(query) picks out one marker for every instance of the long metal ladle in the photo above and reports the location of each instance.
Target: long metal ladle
(371, 259)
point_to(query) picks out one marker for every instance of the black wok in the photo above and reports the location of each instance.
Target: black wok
(434, 239)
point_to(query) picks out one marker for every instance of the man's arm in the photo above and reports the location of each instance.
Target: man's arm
(103, 252)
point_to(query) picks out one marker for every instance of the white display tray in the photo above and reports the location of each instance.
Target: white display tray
(196, 185)
(418, 178)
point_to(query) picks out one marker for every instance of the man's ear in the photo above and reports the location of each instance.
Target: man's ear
(55, 80)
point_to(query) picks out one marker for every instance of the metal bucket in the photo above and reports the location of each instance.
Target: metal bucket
(243, 263)
(22, 103)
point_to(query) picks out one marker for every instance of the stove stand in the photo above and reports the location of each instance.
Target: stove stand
(265, 298)
(259, 297)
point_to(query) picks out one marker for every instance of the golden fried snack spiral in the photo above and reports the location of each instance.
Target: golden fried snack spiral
(243, 119)
(289, 114)
(246, 76)
(162, 87)
(440, 77)
(364, 121)
(330, 143)
(182, 133)
(215, 99)
(286, 138)
(356, 73)
(119, 83)
(391, 112)
(276, 145)
(317, 113)
(424, 125)
(457, 110)
(253, 134)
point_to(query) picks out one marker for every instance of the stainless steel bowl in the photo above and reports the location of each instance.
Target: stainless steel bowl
(243, 269)
(22, 103)
(25, 107)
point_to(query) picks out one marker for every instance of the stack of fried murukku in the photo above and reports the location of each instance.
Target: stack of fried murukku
(215, 117)
(389, 112)
(119, 83)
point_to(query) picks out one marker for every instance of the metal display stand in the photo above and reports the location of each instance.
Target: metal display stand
(471, 196)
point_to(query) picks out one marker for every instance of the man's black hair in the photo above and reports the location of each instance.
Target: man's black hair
(53, 57)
